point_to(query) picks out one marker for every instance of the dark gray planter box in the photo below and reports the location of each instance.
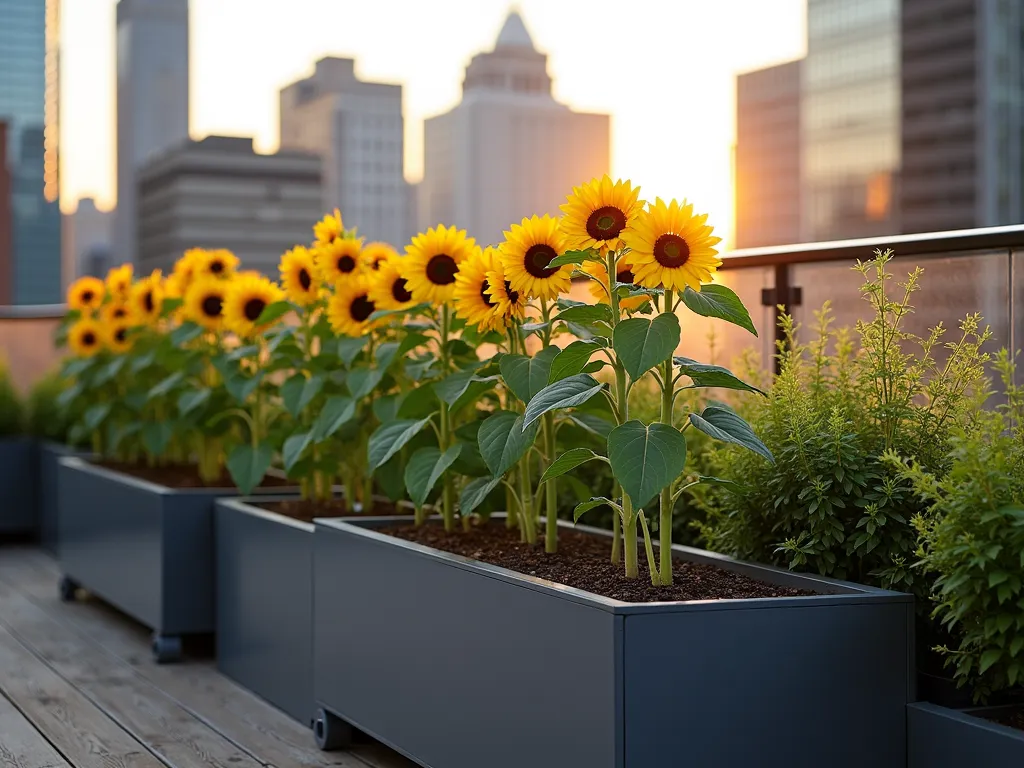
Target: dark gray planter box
(265, 604)
(955, 738)
(18, 461)
(459, 664)
(143, 548)
(46, 493)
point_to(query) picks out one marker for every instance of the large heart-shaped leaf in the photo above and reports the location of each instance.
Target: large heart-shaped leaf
(645, 458)
(349, 348)
(452, 387)
(568, 461)
(526, 376)
(585, 506)
(189, 401)
(715, 300)
(273, 312)
(389, 439)
(156, 435)
(248, 465)
(336, 411)
(110, 370)
(299, 391)
(592, 423)
(95, 415)
(703, 375)
(418, 402)
(166, 385)
(566, 393)
(185, 333)
(503, 441)
(723, 423)
(362, 381)
(586, 314)
(475, 493)
(386, 354)
(642, 344)
(574, 257)
(425, 468)
(294, 447)
(573, 359)
(241, 387)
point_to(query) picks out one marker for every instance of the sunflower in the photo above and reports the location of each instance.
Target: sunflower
(116, 311)
(526, 252)
(119, 281)
(339, 260)
(432, 261)
(473, 300)
(671, 247)
(298, 276)
(86, 294)
(349, 309)
(375, 254)
(185, 267)
(624, 274)
(598, 212)
(511, 304)
(329, 228)
(220, 263)
(245, 301)
(84, 337)
(204, 302)
(387, 286)
(117, 336)
(147, 298)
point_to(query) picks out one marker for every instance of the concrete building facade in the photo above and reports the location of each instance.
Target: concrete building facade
(218, 193)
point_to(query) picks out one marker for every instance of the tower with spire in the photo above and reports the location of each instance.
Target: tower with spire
(508, 149)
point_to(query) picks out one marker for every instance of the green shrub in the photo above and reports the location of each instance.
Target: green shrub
(47, 418)
(12, 413)
(972, 538)
(831, 504)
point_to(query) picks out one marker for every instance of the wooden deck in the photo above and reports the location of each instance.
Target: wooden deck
(79, 689)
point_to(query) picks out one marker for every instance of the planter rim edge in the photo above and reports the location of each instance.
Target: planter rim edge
(967, 717)
(248, 505)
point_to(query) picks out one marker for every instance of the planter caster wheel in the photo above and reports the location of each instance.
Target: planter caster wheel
(68, 588)
(330, 731)
(166, 648)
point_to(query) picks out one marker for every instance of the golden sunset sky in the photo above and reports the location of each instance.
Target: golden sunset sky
(664, 69)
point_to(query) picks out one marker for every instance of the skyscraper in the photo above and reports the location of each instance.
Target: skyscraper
(357, 129)
(152, 99)
(508, 149)
(30, 254)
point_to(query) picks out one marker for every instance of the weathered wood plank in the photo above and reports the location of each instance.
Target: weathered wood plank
(82, 733)
(21, 745)
(144, 711)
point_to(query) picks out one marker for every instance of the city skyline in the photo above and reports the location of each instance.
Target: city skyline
(672, 70)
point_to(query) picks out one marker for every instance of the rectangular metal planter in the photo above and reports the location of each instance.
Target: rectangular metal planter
(265, 604)
(142, 547)
(460, 664)
(956, 738)
(18, 461)
(46, 492)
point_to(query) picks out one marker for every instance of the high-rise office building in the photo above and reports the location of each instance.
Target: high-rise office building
(152, 99)
(30, 252)
(767, 159)
(963, 114)
(88, 238)
(508, 149)
(357, 129)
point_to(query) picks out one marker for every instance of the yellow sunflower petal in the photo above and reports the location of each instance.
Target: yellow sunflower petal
(432, 262)
(671, 247)
(299, 276)
(349, 309)
(528, 249)
(596, 213)
(244, 302)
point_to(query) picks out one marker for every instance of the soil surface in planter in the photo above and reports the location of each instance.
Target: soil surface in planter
(1014, 718)
(183, 476)
(305, 510)
(582, 561)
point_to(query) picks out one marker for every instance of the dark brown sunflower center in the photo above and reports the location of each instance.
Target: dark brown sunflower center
(147, 301)
(212, 306)
(537, 259)
(304, 279)
(216, 267)
(671, 251)
(121, 335)
(377, 262)
(253, 309)
(87, 297)
(625, 276)
(484, 287)
(441, 269)
(119, 312)
(606, 223)
(513, 296)
(88, 338)
(399, 291)
(346, 264)
(361, 308)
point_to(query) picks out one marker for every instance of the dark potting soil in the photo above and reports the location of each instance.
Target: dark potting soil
(305, 510)
(183, 476)
(1013, 717)
(583, 562)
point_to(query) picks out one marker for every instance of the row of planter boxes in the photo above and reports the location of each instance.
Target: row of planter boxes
(28, 480)
(451, 661)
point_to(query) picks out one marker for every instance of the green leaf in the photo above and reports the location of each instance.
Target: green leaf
(573, 257)
(294, 447)
(711, 375)
(388, 439)
(723, 423)
(415, 309)
(336, 411)
(362, 381)
(185, 333)
(165, 386)
(189, 401)
(646, 458)
(78, 365)
(273, 312)
(411, 341)
(241, 387)
(475, 493)
(349, 348)
(391, 477)
(503, 441)
(452, 387)
(568, 461)
(592, 423)
(988, 658)
(110, 370)
(95, 416)
(142, 362)
(718, 301)
(418, 402)
(240, 353)
(526, 376)
(642, 344)
(118, 432)
(170, 305)
(586, 314)
(386, 354)
(299, 391)
(710, 480)
(248, 465)
(583, 507)
(69, 395)
(386, 408)
(156, 435)
(566, 393)
(425, 468)
(572, 359)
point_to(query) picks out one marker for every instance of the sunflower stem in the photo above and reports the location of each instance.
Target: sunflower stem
(448, 493)
(665, 520)
(550, 489)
